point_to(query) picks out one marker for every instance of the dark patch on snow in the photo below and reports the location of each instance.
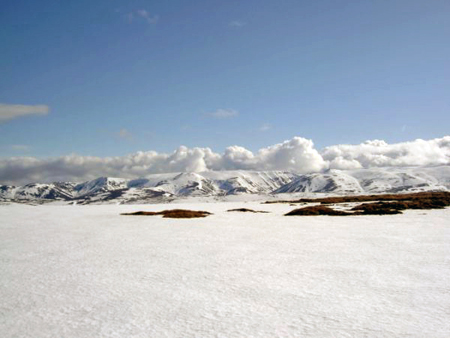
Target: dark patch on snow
(175, 213)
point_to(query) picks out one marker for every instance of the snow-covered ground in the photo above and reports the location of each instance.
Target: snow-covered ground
(86, 271)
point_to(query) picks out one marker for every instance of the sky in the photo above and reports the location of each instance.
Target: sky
(111, 78)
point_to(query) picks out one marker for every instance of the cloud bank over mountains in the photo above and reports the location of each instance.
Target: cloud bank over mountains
(297, 154)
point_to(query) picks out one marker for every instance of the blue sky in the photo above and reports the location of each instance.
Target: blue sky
(123, 76)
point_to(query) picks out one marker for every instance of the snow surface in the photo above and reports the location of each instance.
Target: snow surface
(86, 271)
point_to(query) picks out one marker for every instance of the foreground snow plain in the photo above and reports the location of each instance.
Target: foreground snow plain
(86, 271)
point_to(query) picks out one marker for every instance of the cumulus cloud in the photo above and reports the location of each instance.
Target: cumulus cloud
(223, 113)
(297, 154)
(12, 111)
(378, 153)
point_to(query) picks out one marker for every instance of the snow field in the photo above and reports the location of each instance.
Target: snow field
(86, 271)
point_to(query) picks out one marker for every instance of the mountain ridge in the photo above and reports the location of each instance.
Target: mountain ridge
(165, 187)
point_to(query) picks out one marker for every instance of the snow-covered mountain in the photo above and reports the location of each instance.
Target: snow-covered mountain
(334, 181)
(152, 188)
(100, 185)
(394, 180)
(188, 184)
(164, 187)
(51, 191)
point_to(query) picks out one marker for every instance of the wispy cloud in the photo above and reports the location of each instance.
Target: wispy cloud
(153, 19)
(237, 24)
(12, 111)
(20, 147)
(224, 113)
(129, 17)
(124, 134)
(265, 127)
(142, 14)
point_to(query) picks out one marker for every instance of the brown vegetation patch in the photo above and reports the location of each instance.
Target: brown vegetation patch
(379, 208)
(247, 210)
(317, 210)
(395, 207)
(388, 204)
(175, 213)
(440, 197)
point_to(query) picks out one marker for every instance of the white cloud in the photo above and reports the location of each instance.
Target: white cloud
(297, 154)
(224, 113)
(377, 153)
(12, 111)
(236, 24)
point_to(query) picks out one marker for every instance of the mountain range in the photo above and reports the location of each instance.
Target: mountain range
(166, 187)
